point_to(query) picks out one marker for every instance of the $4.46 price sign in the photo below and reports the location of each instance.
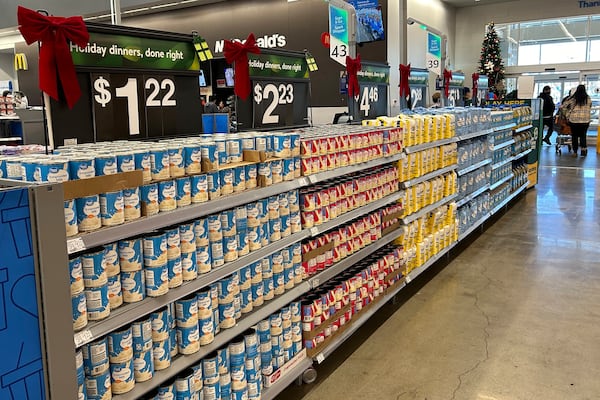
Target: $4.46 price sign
(372, 101)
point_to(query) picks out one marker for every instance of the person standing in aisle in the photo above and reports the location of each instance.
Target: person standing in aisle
(437, 100)
(579, 110)
(547, 113)
(467, 97)
(211, 107)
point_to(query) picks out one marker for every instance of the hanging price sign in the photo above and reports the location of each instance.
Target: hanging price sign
(456, 90)
(280, 91)
(418, 81)
(135, 84)
(372, 102)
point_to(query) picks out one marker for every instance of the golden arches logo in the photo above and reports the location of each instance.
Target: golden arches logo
(21, 62)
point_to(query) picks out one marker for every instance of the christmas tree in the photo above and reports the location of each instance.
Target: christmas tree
(490, 61)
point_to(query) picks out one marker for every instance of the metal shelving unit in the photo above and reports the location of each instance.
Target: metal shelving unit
(501, 163)
(472, 228)
(523, 128)
(503, 144)
(426, 177)
(272, 391)
(504, 127)
(419, 270)
(473, 195)
(509, 198)
(474, 167)
(430, 145)
(475, 134)
(521, 154)
(423, 211)
(501, 181)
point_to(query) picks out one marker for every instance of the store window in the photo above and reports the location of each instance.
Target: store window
(555, 41)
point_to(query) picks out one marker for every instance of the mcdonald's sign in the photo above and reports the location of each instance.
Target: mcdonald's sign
(21, 62)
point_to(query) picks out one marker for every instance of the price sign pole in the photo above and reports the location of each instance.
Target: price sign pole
(280, 94)
(135, 84)
(374, 81)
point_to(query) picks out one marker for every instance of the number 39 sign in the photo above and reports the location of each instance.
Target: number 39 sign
(135, 84)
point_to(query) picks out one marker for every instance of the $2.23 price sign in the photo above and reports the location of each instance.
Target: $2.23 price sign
(270, 101)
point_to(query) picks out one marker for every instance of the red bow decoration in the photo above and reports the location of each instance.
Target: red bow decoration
(55, 56)
(447, 79)
(475, 77)
(353, 65)
(237, 53)
(404, 74)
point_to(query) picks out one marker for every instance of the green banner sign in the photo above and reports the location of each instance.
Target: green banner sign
(458, 80)
(374, 74)
(277, 66)
(119, 51)
(418, 77)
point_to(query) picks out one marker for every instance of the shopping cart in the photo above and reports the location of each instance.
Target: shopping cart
(563, 130)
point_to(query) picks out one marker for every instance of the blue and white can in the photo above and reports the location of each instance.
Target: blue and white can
(256, 271)
(123, 378)
(79, 367)
(216, 251)
(273, 207)
(173, 243)
(210, 368)
(205, 303)
(263, 210)
(176, 161)
(289, 277)
(221, 143)
(115, 293)
(155, 249)
(12, 168)
(225, 383)
(238, 377)
(53, 170)
(286, 229)
(149, 199)
(223, 360)
(71, 227)
(293, 201)
(245, 277)
(199, 188)
(94, 268)
(246, 300)
(261, 142)
(175, 269)
(281, 145)
(125, 161)
(79, 310)
(212, 391)
(167, 391)
(266, 361)
(251, 173)
(106, 164)
(88, 213)
(265, 234)
(76, 275)
(297, 167)
(159, 163)
(242, 242)
(252, 366)
(141, 160)
(277, 171)
(132, 286)
(184, 191)
(294, 144)
(201, 231)
(228, 223)
(187, 233)
(189, 265)
(276, 263)
(130, 254)
(226, 178)
(226, 289)
(258, 294)
(98, 387)
(112, 208)
(214, 185)
(186, 311)
(184, 385)
(288, 169)
(227, 315)
(203, 259)
(254, 239)
(251, 343)
(295, 222)
(237, 351)
(95, 357)
(254, 389)
(160, 324)
(207, 329)
(82, 167)
(278, 283)
(241, 217)
(167, 193)
(252, 214)
(188, 339)
(211, 155)
(267, 266)
(142, 335)
(29, 170)
(263, 331)
(284, 205)
(247, 142)
(120, 345)
(174, 349)
(192, 159)
(197, 381)
(239, 394)
(96, 299)
(132, 203)
(234, 149)
(143, 366)
(161, 354)
(268, 288)
(265, 173)
(230, 246)
(274, 229)
(239, 179)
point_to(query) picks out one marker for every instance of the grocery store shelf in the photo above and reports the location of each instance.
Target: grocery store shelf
(349, 261)
(523, 128)
(503, 144)
(475, 134)
(521, 154)
(426, 177)
(501, 181)
(349, 216)
(128, 313)
(182, 362)
(471, 196)
(504, 127)
(473, 167)
(336, 173)
(476, 225)
(430, 145)
(423, 211)
(160, 220)
(291, 375)
(503, 162)
(509, 198)
(419, 270)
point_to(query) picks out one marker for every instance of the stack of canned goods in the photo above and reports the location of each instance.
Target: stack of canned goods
(334, 304)
(325, 149)
(326, 201)
(346, 239)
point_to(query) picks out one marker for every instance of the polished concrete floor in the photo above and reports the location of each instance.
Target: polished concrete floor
(512, 316)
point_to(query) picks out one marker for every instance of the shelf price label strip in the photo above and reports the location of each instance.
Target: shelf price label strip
(423, 211)
(430, 145)
(428, 176)
(473, 195)
(474, 167)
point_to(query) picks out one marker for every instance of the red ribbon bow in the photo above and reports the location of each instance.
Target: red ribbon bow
(447, 79)
(237, 53)
(404, 74)
(353, 65)
(475, 78)
(55, 56)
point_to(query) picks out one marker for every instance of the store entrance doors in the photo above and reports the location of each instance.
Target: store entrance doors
(559, 87)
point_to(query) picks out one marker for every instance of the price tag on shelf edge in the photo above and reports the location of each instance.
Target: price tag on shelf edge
(74, 245)
(83, 337)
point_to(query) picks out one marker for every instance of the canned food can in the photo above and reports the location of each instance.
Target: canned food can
(112, 208)
(122, 374)
(159, 163)
(161, 354)
(226, 177)
(251, 173)
(228, 222)
(157, 280)
(274, 229)
(199, 188)
(52, 170)
(132, 204)
(242, 242)
(197, 377)
(230, 246)
(143, 366)
(82, 167)
(288, 169)
(76, 275)
(175, 270)
(70, 210)
(160, 321)
(184, 385)
(184, 192)
(149, 200)
(115, 293)
(98, 386)
(254, 239)
(212, 391)
(79, 310)
(88, 213)
(187, 234)
(96, 299)
(277, 171)
(201, 231)
(265, 175)
(189, 265)
(167, 390)
(225, 383)
(216, 251)
(207, 329)
(95, 357)
(210, 154)
(234, 149)
(186, 311)
(155, 249)
(192, 159)
(133, 286)
(141, 159)
(223, 360)
(176, 161)
(227, 315)
(214, 185)
(167, 193)
(203, 259)
(268, 288)
(210, 368)
(215, 229)
(239, 179)
(188, 339)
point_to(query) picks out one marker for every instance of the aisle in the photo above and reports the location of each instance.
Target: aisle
(513, 317)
